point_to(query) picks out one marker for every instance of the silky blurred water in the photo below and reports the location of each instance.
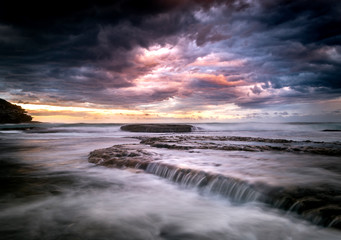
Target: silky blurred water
(50, 191)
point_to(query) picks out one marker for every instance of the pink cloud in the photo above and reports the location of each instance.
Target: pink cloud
(214, 60)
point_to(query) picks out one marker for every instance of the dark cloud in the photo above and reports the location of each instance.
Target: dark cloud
(208, 34)
(303, 42)
(256, 90)
(320, 19)
(87, 52)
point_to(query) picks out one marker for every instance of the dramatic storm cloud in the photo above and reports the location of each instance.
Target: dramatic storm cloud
(172, 59)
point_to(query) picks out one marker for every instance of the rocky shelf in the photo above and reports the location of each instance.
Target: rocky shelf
(157, 128)
(319, 204)
(220, 143)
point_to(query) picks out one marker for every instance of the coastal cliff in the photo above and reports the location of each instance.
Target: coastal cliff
(10, 113)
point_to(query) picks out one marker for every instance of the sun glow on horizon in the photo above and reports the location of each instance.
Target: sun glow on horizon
(153, 113)
(42, 112)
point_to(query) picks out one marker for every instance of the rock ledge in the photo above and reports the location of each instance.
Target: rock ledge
(157, 128)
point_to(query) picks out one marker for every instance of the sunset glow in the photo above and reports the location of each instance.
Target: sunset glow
(179, 61)
(84, 114)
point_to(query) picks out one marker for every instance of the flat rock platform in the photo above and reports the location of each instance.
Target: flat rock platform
(157, 128)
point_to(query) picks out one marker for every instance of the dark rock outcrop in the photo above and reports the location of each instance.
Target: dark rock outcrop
(318, 203)
(157, 128)
(10, 113)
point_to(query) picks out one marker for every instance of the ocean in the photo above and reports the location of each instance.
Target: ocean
(233, 181)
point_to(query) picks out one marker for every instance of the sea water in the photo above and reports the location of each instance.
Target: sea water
(50, 191)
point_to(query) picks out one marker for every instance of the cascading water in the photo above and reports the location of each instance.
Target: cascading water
(234, 190)
(218, 180)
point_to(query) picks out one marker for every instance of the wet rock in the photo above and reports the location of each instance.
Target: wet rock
(157, 128)
(319, 204)
(121, 156)
(131, 156)
(222, 143)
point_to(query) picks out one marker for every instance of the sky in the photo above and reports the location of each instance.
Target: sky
(172, 60)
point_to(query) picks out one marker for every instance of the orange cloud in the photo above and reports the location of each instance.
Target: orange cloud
(218, 79)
